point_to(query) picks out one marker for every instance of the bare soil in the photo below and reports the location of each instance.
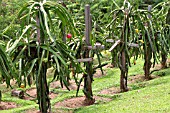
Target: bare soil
(139, 78)
(136, 78)
(55, 111)
(159, 66)
(33, 93)
(72, 85)
(79, 102)
(7, 105)
(109, 66)
(131, 79)
(99, 74)
(110, 91)
(32, 111)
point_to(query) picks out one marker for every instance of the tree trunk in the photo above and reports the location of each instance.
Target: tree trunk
(164, 55)
(41, 80)
(113, 63)
(147, 52)
(88, 78)
(88, 89)
(123, 76)
(122, 59)
(43, 90)
(163, 62)
(148, 63)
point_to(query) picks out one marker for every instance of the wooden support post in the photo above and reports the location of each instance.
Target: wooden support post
(122, 57)
(148, 53)
(88, 78)
(96, 46)
(133, 45)
(114, 45)
(149, 10)
(110, 40)
(85, 60)
(87, 24)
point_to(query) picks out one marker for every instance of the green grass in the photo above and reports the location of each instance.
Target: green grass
(110, 80)
(154, 98)
(145, 97)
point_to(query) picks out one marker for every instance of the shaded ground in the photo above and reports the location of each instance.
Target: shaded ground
(33, 93)
(131, 79)
(55, 111)
(7, 105)
(99, 74)
(72, 86)
(110, 91)
(136, 78)
(79, 102)
(32, 111)
(139, 78)
(108, 66)
(159, 66)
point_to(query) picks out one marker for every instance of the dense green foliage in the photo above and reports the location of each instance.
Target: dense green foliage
(8, 12)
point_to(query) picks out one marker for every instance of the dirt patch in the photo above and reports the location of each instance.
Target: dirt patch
(63, 111)
(54, 111)
(139, 78)
(136, 78)
(159, 66)
(33, 94)
(7, 105)
(110, 91)
(79, 102)
(108, 66)
(72, 85)
(168, 60)
(99, 73)
(32, 111)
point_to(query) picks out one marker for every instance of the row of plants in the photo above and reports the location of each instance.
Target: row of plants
(40, 42)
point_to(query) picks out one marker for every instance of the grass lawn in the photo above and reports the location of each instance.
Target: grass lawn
(154, 98)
